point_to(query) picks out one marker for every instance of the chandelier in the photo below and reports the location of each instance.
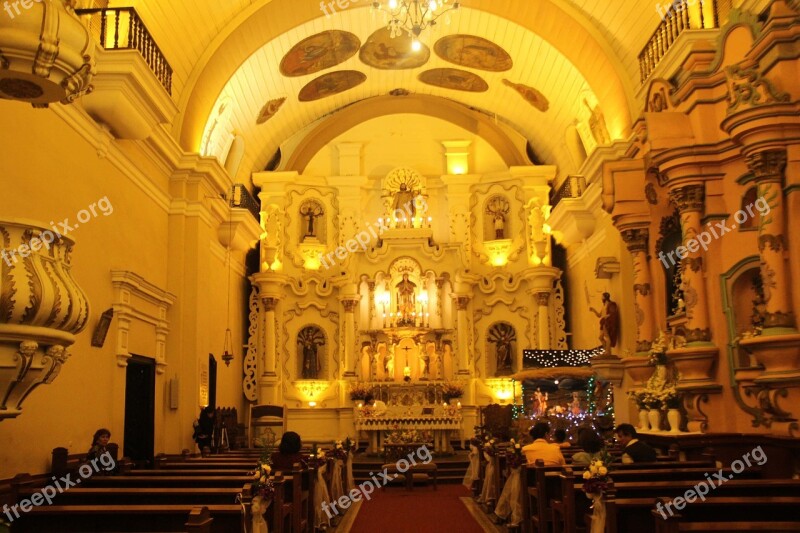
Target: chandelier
(412, 17)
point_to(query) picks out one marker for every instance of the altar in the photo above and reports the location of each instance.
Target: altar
(414, 413)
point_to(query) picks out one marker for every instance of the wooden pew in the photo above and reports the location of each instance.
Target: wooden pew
(715, 514)
(83, 495)
(629, 504)
(169, 481)
(142, 518)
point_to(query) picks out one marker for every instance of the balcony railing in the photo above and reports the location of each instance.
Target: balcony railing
(241, 197)
(572, 187)
(121, 29)
(677, 17)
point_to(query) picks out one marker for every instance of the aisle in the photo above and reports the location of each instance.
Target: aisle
(422, 510)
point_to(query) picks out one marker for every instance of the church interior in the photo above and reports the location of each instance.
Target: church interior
(391, 227)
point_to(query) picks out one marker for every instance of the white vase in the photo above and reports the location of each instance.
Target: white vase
(644, 422)
(674, 419)
(654, 415)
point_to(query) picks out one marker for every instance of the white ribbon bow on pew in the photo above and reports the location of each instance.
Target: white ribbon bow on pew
(321, 495)
(488, 491)
(351, 482)
(510, 502)
(337, 489)
(474, 468)
(257, 508)
(598, 513)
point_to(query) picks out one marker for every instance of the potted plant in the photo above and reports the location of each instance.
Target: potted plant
(359, 391)
(452, 391)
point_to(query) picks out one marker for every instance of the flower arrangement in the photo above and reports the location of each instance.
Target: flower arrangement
(451, 390)
(595, 478)
(317, 458)
(638, 396)
(359, 391)
(668, 397)
(406, 436)
(489, 447)
(514, 456)
(348, 445)
(338, 451)
(658, 350)
(262, 484)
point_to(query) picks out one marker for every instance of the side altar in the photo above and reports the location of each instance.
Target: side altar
(413, 413)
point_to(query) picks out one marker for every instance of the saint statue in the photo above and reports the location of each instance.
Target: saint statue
(309, 340)
(499, 226)
(388, 363)
(424, 361)
(575, 407)
(406, 298)
(498, 209)
(404, 202)
(609, 323)
(311, 212)
(541, 402)
(503, 355)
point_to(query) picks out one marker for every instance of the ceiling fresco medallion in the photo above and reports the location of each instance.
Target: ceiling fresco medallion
(318, 52)
(330, 84)
(382, 52)
(453, 78)
(473, 52)
(531, 95)
(269, 110)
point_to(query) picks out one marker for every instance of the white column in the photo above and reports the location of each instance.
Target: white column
(462, 301)
(543, 320)
(349, 304)
(270, 336)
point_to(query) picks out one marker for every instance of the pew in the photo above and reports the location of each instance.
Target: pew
(717, 514)
(142, 518)
(83, 495)
(237, 481)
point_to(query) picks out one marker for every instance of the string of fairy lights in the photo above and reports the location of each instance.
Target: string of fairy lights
(570, 358)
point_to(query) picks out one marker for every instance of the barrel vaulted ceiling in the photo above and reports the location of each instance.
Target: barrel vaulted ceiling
(565, 49)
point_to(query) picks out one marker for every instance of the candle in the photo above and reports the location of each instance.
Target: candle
(459, 404)
(407, 372)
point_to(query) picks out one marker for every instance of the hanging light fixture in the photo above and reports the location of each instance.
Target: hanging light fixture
(412, 17)
(227, 348)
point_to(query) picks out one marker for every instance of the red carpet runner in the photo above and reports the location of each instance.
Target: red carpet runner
(423, 510)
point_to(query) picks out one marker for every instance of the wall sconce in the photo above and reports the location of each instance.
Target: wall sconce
(312, 404)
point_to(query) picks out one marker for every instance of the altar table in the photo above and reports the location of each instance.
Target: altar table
(440, 425)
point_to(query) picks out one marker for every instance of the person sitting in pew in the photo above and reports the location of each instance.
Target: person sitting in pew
(634, 450)
(541, 449)
(288, 452)
(99, 444)
(204, 430)
(560, 438)
(592, 446)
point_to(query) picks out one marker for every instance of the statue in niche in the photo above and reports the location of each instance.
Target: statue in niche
(503, 336)
(609, 323)
(575, 407)
(388, 363)
(309, 341)
(406, 299)
(597, 124)
(498, 210)
(311, 211)
(404, 202)
(424, 360)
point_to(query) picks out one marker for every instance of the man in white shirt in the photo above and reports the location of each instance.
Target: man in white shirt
(378, 407)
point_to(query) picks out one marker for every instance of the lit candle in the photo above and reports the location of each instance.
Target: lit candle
(407, 372)
(429, 221)
(459, 404)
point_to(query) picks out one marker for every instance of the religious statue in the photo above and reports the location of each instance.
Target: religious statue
(310, 339)
(575, 406)
(404, 202)
(311, 212)
(388, 363)
(597, 124)
(424, 361)
(503, 336)
(541, 402)
(498, 209)
(406, 299)
(609, 323)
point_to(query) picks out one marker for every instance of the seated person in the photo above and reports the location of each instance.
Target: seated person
(541, 449)
(560, 438)
(204, 429)
(99, 444)
(634, 450)
(378, 407)
(288, 453)
(592, 446)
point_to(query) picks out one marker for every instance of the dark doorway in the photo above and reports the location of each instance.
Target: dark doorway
(139, 409)
(212, 381)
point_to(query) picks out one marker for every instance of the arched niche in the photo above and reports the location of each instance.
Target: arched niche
(744, 305)
(313, 221)
(311, 352)
(501, 348)
(496, 218)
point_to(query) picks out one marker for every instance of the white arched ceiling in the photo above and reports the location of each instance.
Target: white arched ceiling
(536, 64)
(205, 41)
